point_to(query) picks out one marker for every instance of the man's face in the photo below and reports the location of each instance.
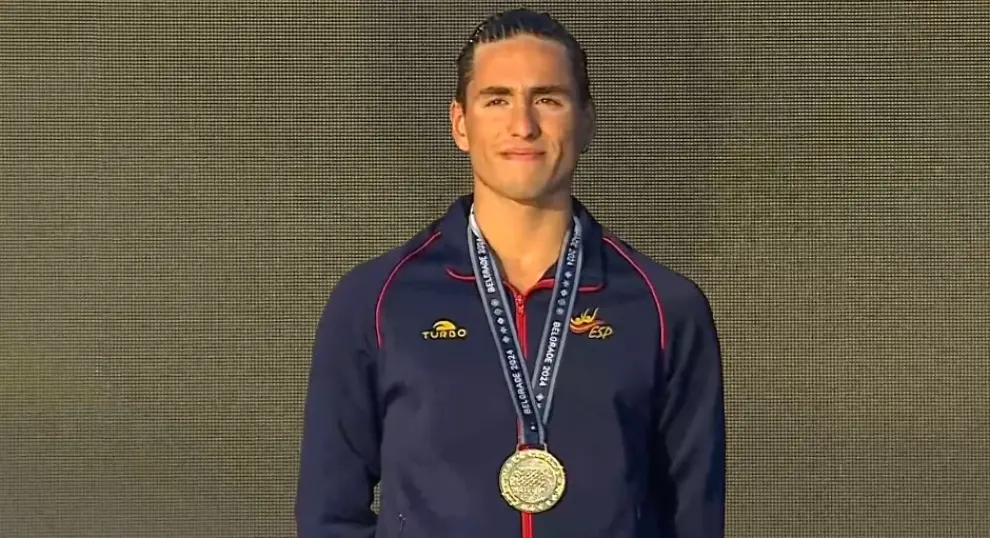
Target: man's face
(522, 121)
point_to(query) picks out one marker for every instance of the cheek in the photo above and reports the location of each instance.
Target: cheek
(562, 132)
(483, 142)
(476, 132)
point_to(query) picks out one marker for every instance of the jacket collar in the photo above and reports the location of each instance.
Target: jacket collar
(453, 228)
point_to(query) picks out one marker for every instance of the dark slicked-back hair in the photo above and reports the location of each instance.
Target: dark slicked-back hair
(523, 22)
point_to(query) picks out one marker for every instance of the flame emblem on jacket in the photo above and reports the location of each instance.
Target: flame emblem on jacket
(589, 323)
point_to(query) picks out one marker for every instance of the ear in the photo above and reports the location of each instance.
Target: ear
(458, 126)
(590, 127)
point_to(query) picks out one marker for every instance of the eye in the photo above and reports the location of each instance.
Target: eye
(495, 102)
(549, 101)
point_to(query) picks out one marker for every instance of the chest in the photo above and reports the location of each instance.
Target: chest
(439, 356)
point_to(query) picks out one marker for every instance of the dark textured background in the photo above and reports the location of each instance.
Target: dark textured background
(182, 184)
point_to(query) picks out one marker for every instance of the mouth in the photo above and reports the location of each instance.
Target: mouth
(522, 155)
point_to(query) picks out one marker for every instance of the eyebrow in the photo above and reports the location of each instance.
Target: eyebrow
(550, 89)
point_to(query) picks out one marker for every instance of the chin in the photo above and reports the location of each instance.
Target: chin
(538, 194)
(535, 189)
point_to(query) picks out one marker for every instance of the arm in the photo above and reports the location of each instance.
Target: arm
(692, 420)
(339, 456)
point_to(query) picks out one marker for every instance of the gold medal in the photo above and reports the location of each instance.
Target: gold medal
(532, 480)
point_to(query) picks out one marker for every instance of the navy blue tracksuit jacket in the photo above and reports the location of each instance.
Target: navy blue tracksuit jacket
(406, 387)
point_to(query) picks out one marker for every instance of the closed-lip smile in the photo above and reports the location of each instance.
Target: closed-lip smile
(522, 154)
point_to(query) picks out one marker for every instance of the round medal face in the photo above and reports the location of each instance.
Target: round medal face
(532, 480)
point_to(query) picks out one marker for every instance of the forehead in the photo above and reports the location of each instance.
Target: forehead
(521, 61)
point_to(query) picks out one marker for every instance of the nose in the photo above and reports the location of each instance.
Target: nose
(524, 123)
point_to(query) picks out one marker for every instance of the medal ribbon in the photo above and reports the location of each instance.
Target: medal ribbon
(532, 398)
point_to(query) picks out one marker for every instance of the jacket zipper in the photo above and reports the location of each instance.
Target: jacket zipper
(527, 519)
(520, 300)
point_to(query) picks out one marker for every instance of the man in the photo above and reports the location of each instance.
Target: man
(514, 369)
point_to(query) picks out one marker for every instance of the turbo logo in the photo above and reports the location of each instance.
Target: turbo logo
(445, 330)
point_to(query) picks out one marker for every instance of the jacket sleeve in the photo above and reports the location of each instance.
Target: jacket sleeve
(692, 419)
(339, 454)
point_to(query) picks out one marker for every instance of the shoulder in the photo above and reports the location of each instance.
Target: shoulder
(358, 294)
(375, 273)
(678, 298)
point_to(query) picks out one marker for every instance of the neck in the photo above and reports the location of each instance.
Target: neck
(526, 237)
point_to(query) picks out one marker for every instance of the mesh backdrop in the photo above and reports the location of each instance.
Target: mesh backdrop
(183, 183)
